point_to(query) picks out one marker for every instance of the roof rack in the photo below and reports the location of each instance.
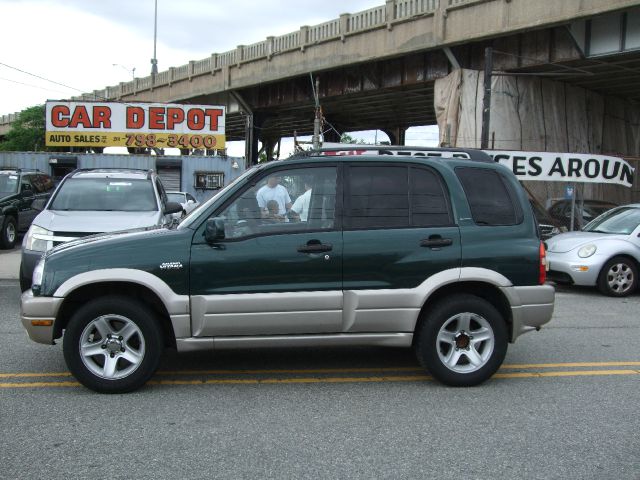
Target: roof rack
(398, 150)
(148, 171)
(20, 169)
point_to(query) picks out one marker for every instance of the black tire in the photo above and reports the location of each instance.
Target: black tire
(618, 277)
(446, 318)
(111, 314)
(9, 233)
(25, 281)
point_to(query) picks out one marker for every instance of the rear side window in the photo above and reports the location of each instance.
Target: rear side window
(378, 197)
(395, 196)
(491, 199)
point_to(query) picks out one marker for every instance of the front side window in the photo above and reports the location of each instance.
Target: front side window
(105, 194)
(26, 185)
(301, 199)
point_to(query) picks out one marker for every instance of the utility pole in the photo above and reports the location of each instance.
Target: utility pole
(154, 60)
(486, 101)
(318, 116)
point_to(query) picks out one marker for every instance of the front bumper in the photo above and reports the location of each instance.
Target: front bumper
(531, 307)
(42, 311)
(581, 271)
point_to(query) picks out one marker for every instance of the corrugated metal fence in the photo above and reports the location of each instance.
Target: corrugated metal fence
(48, 162)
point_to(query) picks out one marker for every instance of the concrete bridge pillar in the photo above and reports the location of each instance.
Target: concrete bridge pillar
(534, 114)
(397, 135)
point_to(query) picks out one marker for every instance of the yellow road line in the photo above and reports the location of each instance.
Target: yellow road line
(569, 365)
(574, 373)
(308, 380)
(30, 375)
(39, 384)
(525, 366)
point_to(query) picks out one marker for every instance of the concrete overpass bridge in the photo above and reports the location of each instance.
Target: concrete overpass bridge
(377, 68)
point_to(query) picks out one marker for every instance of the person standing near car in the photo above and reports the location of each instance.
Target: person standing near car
(273, 191)
(301, 206)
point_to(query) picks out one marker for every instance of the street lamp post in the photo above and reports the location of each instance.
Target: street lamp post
(130, 70)
(154, 60)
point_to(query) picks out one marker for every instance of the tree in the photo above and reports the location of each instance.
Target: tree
(346, 138)
(27, 133)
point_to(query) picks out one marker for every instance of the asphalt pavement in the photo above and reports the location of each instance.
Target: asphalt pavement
(10, 263)
(564, 406)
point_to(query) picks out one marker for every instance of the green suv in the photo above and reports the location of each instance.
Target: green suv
(429, 251)
(21, 190)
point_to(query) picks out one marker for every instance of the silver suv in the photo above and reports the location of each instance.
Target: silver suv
(91, 201)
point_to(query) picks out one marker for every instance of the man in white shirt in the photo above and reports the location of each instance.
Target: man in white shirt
(301, 206)
(273, 191)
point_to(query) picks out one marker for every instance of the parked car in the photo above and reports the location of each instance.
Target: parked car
(438, 254)
(585, 211)
(90, 201)
(20, 192)
(188, 202)
(546, 223)
(606, 253)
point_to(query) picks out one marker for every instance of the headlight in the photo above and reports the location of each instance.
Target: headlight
(38, 272)
(587, 251)
(38, 239)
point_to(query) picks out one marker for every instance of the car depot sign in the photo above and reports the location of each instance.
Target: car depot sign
(97, 124)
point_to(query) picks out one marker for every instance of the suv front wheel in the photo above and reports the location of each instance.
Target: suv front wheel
(462, 341)
(112, 345)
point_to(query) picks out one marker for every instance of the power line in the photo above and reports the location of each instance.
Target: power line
(29, 85)
(41, 78)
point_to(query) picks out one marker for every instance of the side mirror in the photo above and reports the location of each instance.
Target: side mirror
(38, 204)
(214, 230)
(172, 207)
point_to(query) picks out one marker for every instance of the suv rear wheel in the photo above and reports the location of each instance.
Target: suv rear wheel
(112, 345)
(462, 341)
(9, 233)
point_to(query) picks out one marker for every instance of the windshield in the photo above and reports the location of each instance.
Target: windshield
(8, 184)
(195, 214)
(105, 194)
(620, 221)
(176, 197)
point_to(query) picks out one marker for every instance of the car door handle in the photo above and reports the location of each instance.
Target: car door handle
(435, 241)
(315, 246)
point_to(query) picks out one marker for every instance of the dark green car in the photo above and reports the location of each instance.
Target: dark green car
(20, 189)
(438, 254)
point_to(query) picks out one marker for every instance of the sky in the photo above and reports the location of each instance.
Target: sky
(59, 49)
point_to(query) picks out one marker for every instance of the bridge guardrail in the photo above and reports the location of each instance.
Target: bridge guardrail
(347, 24)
